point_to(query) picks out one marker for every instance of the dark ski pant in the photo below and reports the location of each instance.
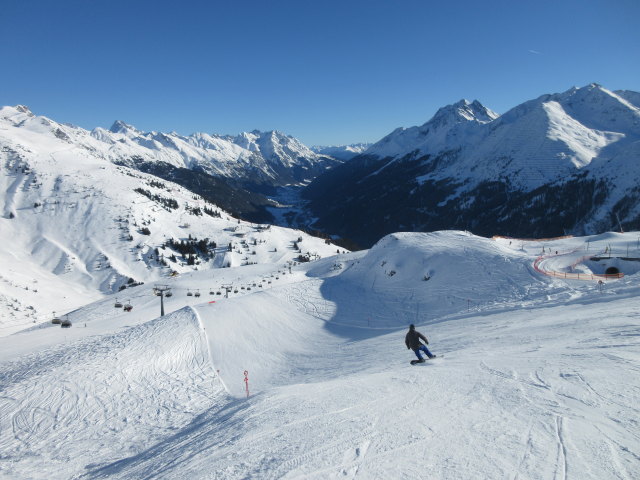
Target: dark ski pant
(424, 349)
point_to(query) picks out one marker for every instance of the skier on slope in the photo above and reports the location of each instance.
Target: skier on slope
(412, 341)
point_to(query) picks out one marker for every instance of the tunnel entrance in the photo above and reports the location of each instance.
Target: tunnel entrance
(612, 271)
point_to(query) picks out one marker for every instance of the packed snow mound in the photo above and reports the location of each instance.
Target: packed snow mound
(414, 272)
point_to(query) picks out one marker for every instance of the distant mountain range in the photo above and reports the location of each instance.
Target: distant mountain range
(561, 163)
(342, 152)
(233, 172)
(260, 158)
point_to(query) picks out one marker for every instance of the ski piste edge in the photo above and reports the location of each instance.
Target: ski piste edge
(418, 362)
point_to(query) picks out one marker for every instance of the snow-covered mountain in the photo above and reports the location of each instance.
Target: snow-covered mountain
(341, 152)
(561, 162)
(444, 131)
(270, 158)
(75, 226)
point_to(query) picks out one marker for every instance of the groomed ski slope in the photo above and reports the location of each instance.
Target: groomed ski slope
(540, 377)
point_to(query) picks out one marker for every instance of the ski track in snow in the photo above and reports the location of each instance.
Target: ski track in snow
(69, 402)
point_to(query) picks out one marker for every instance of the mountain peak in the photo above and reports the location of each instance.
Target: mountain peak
(463, 111)
(24, 109)
(122, 127)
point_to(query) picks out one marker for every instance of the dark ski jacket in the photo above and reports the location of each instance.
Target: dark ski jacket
(412, 340)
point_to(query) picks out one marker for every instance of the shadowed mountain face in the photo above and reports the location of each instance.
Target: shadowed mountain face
(561, 163)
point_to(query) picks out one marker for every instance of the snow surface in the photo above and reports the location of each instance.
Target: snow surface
(538, 377)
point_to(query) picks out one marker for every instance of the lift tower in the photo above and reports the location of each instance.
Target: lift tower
(160, 291)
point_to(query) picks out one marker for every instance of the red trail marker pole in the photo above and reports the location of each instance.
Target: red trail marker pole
(246, 382)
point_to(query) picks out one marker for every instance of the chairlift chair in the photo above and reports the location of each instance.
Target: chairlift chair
(128, 307)
(168, 294)
(66, 323)
(56, 320)
(189, 294)
(197, 293)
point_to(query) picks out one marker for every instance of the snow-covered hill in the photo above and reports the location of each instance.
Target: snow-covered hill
(308, 376)
(74, 226)
(565, 162)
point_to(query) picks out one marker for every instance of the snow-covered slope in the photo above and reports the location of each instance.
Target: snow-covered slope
(74, 226)
(542, 373)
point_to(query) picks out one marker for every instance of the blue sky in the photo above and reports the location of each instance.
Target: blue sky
(326, 72)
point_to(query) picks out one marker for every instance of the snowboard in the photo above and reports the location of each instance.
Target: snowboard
(424, 360)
